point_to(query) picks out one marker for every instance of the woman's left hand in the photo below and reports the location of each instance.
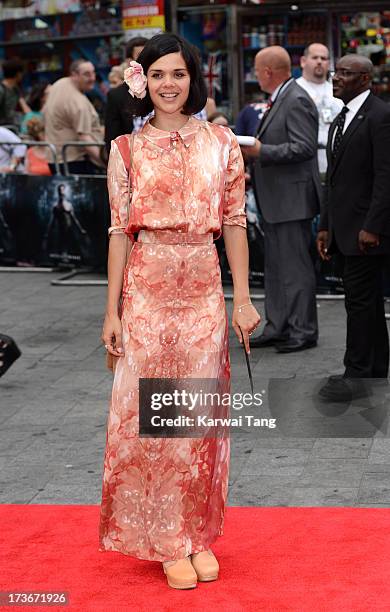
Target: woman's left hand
(245, 319)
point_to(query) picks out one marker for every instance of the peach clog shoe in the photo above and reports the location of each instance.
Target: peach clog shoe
(180, 574)
(205, 565)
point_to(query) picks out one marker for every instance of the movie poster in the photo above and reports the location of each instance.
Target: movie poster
(53, 220)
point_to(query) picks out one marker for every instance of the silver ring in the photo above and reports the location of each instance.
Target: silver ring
(107, 346)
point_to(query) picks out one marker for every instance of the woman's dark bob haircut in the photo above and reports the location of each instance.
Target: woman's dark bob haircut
(163, 44)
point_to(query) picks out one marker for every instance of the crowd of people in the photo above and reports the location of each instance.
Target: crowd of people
(64, 112)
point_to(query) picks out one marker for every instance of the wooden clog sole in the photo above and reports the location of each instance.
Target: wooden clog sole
(207, 578)
(175, 585)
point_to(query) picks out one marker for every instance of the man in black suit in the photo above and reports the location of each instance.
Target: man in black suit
(118, 118)
(355, 222)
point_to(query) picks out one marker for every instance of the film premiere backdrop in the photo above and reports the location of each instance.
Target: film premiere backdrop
(47, 221)
(53, 220)
(58, 221)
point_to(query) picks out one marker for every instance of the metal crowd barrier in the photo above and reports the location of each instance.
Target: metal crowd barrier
(53, 151)
(80, 144)
(33, 143)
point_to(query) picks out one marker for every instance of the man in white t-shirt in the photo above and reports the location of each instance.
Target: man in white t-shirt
(315, 68)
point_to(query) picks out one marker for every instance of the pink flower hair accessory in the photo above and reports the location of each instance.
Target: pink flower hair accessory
(135, 80)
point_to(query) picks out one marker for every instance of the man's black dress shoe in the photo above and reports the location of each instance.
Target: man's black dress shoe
(291, 346)
(341, 389)
(262, 341)
(374, 382)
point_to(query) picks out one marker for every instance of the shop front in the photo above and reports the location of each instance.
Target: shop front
(229, 36)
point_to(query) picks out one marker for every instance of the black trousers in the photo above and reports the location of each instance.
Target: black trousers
(367, 351)
(289, 282)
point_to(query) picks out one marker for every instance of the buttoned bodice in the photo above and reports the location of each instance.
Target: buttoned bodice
(191, 180)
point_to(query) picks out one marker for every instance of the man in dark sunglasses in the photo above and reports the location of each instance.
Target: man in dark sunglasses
(355, 222)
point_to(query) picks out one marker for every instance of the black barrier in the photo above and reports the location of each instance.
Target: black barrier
(46, 221)
(63, 220)
(328, 273)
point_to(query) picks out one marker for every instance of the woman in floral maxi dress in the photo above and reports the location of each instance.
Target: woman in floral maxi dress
(163, 499)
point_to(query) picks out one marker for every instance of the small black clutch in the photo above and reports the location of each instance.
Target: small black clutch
(9, 352)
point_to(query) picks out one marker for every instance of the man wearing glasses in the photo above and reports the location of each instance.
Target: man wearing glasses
(355, 222)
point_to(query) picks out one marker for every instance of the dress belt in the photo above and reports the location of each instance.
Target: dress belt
(174, 237)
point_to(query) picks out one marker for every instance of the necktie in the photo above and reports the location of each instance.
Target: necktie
(340, 122)
(265, 115)
(269, 106)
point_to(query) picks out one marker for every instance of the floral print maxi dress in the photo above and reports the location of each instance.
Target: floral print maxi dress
(164, 498)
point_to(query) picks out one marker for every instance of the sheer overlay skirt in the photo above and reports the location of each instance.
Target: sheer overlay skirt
(164, 498)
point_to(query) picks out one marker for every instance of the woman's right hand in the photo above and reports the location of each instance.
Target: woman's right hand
(112, 335)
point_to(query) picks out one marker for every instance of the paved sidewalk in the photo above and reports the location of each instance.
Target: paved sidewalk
(54, 402)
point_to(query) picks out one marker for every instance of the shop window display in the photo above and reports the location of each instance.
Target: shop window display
(16, 10)
(291, 31)
(48, 44)
(208, 32)
(368, 33)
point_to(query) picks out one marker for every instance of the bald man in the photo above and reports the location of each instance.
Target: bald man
(314, 80)
(288, 191)
(355, 221)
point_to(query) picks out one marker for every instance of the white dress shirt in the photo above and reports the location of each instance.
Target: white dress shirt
(354, 106)
(279, 89)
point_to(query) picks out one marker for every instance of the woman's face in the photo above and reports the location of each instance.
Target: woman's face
(169, 83)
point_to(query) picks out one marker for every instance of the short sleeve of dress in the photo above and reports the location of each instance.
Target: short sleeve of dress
(234, 200)
(118, 190)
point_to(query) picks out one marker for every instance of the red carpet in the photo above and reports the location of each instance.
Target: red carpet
(274, 559)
